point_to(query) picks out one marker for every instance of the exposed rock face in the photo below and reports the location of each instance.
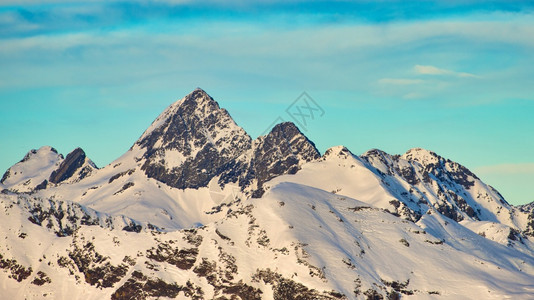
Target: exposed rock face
(194, 140)
(426, 174)
(45, 167)
(280, 152)
(440, 168)
(340, 231)
(69, 166)
(529, 210)
(191, 142)
(64, 217)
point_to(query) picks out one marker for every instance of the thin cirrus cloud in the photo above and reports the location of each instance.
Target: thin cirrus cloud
(400, 81)
(32, 17)
(424, 70)
(432, 70)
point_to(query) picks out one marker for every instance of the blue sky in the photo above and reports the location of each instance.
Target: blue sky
(455, 77)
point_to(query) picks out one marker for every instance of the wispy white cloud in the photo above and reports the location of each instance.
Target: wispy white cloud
(400, 81)
(363, 57)
(432, 70)
(518, 168)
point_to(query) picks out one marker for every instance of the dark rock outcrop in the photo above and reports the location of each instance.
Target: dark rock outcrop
(280, 152)
(210, 144)
(203, 133)
(69, 166)
(426, 172)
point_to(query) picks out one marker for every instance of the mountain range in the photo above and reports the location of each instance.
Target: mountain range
(197, 209)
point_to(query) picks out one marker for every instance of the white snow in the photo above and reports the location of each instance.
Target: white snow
(322, 240)
(39, 164)
(327, 227)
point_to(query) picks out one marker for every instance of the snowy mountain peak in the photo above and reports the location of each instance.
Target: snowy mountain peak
(338, 152)
(191, 142)
(75, 162)
(422, 156)
(194, 140)
(32, 170)
(438, 165)
(198, 102)
(201, 100)
(288, 128)
(44, 151)
(282, 151)
(376, 154)
(45, 166)
(197, 210)
(288, 135)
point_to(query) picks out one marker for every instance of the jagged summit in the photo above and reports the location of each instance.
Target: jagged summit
(197, 102)
(42, 151)
(440, 184)
(200, 98)
(197, 209)
(439, 165)
(194, 146)
(286, 127)
(287, 135)
(195, 140)
(281, 151)
(191, 142)
(76, 161)
(40, 167)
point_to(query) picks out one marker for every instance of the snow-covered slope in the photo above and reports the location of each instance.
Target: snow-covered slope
(438, 184)
(197, 209)
(32, 170)
(188, 167)
(45, 166)
(295, 241)
(415, 184)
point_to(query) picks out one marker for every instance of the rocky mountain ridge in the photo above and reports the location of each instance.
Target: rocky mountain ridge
(194, 141)
(45, 166)
(196, 209)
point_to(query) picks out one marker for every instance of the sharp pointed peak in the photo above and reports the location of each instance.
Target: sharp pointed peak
(199, 95)
(77, 150)
(197, 102)
(199, 90)
(286, 127)
(289, 131)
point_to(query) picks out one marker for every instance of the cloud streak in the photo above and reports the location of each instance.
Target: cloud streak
(432, 70)
(400, 81)
(31, 17)
(291, 55)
